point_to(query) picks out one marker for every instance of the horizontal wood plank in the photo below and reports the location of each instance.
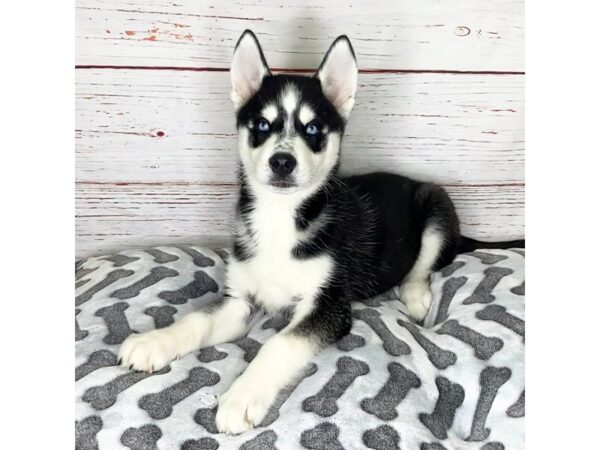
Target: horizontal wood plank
(114, 217)
(165, 126)
(470, 35)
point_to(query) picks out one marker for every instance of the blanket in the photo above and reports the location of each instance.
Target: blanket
(456, 382)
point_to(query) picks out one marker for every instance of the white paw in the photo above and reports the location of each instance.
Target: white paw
(242, 408)
(149, 351)
(417, 298)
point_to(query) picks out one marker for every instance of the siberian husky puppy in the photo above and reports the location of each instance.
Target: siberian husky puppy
(307, 242)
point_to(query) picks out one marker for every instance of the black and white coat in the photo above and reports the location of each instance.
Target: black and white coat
(306, 241)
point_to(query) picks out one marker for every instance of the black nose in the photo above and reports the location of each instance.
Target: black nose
(282, 164)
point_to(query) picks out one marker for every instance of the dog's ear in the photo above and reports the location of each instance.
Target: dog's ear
(338, 74)
(248, 68)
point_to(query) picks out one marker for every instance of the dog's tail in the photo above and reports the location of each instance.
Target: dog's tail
(468, 245)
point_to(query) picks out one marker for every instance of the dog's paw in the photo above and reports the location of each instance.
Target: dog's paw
(242, 408)
(417, 298)
(149, 351)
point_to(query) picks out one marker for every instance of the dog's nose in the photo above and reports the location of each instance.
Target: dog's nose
(282, 164)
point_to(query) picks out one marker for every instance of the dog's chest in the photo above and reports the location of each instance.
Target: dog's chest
(272, 275)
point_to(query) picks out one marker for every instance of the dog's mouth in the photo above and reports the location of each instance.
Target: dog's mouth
(282, 183)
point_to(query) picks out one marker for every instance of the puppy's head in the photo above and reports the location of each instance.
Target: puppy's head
(290, 127)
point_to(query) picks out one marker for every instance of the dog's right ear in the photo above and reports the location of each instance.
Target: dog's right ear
(248, 68)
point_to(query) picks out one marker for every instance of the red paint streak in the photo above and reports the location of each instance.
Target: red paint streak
(302, 70)
(153, 30)
(160, 133)
(149, 38)
(130, 33)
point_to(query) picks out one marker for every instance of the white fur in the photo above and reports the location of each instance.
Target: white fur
(289, 100)
(272, 275)
(339, 76)
(247, 70)
(153, 350)
(306, 114)
(415, 292)
(248, 399)
(269, 112)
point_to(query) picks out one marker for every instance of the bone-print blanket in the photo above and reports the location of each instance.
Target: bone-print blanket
(455, 383)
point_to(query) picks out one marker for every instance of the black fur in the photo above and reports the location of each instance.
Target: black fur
(371, 225)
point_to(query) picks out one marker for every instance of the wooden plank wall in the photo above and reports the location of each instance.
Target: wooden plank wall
(440, 98)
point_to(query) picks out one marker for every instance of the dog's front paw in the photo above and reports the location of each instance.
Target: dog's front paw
(242, 407)
(149, 351)
(417, 298)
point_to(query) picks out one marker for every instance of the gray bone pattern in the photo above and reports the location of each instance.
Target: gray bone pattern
(204, 443)
(375, 388)
(97, 360)
(161, 257)
(142, 438)
(209, 354)
(487, 258)
(439, 357)
(432, 446)
(483, 292)
(499, 315)
(198, 258)
(206, 418)
(86, 431)
(323, 436)
(160, 405)
(162, 315)
(249, 346)
(395, 389)
(350, 342)
(120, 260)
(490, 380)
(113, 276)
(383, 437)
(116, 323)
(483, 347)
(451, 268)
(264, 441)
(449, 290)
(156, 274)
(201, 285)
(324, 403)
(102, 397)
(451, 396)
(391, 343)
(517, 409)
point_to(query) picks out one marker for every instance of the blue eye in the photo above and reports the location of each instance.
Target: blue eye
(263, 125)
(312, 129)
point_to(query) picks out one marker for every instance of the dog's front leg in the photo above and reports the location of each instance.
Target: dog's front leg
(223, 321)
(279, 361)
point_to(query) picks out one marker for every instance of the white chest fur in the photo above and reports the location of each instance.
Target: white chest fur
(272, 275)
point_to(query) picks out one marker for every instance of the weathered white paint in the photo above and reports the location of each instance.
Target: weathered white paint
(387, 34)
(459, 129)
(155, 148)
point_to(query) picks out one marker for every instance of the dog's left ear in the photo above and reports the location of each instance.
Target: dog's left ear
(248, 68)
(338, 74)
